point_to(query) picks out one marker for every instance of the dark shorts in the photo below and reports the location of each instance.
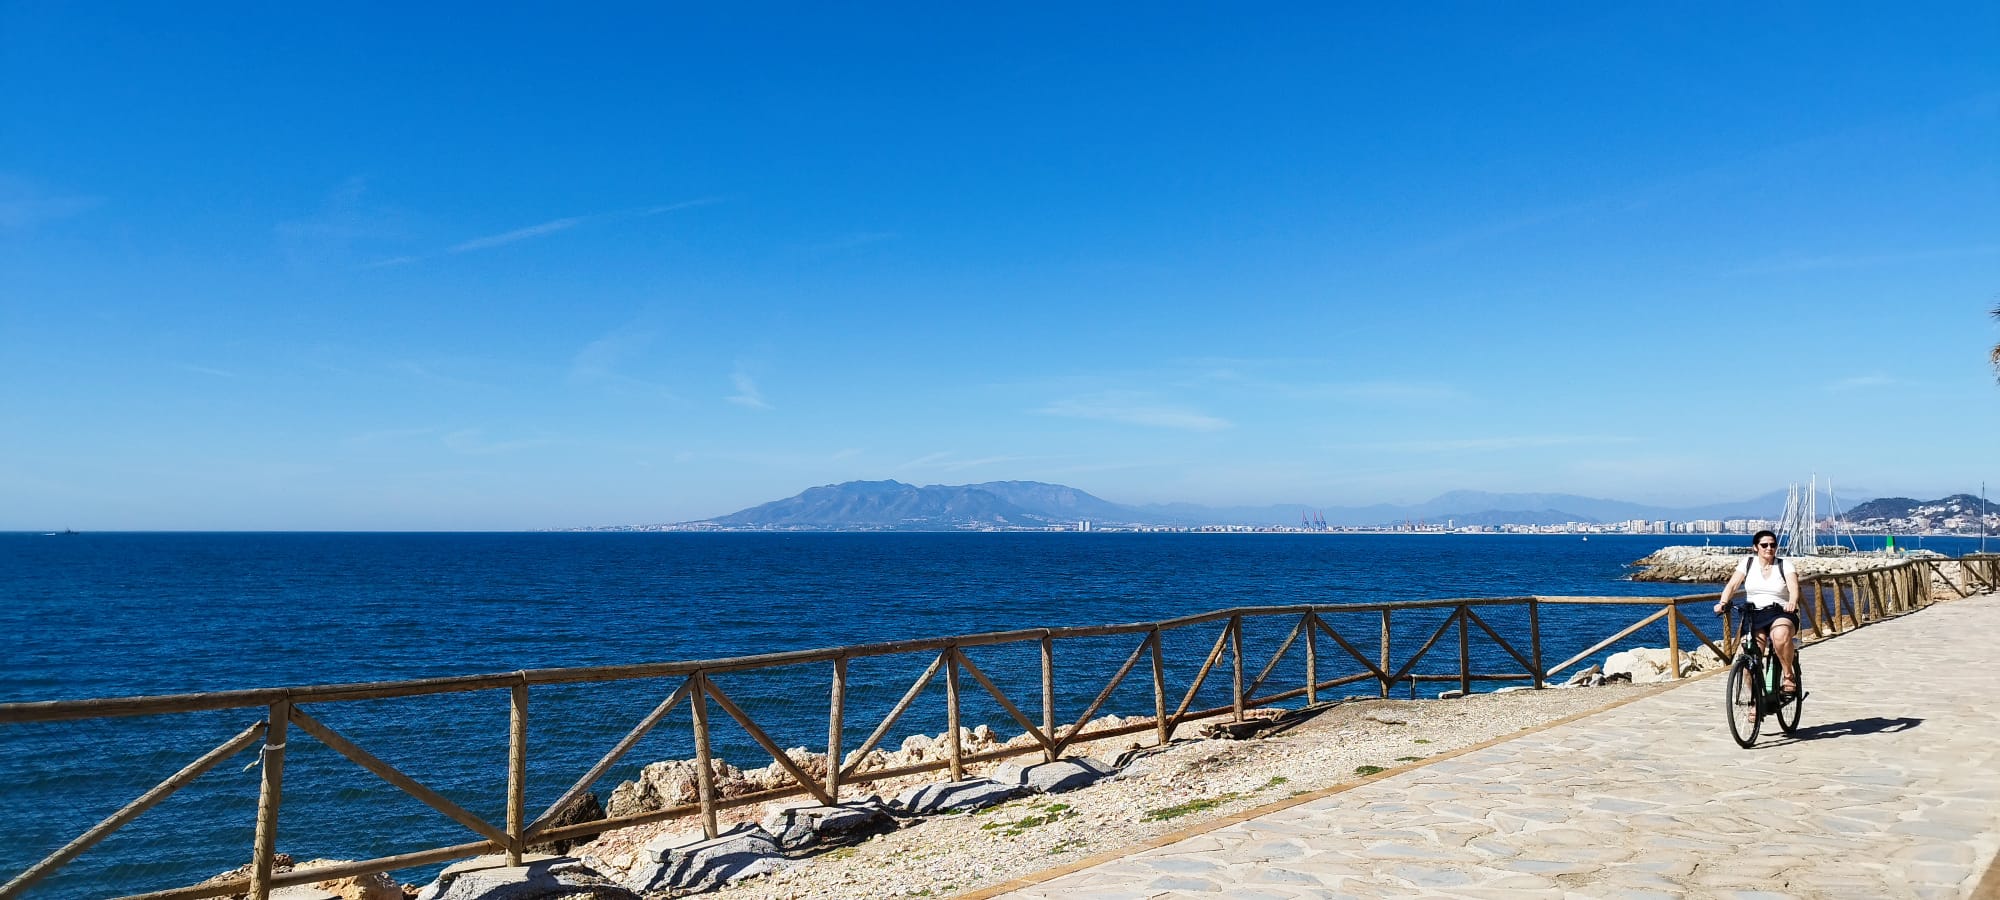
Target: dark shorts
(1762, 617)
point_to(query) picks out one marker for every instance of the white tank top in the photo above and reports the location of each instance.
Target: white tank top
(1762, 589)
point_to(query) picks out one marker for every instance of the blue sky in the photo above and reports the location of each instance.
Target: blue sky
(364, 267)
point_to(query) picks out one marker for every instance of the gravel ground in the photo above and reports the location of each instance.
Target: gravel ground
(1186, 784)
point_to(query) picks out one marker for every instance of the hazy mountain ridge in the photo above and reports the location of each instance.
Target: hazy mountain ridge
(883, 505)
(1883, 510)
(894, 505)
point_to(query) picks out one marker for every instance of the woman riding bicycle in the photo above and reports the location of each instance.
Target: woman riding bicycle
(1772, 590)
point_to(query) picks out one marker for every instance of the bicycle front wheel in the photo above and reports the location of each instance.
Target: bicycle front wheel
(1740, 704)
(1788, 714)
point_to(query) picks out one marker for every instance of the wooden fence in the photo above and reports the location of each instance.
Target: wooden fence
(1832, 604)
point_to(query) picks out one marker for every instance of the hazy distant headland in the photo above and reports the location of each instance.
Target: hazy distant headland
(1040, 506)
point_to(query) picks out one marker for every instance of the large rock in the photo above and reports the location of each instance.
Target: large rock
(673, 783)
(1655, 664)
(813, 827)
(1590, 677)
(1643, 665)
(541, 877)
(955, 796)
(576, 812)
(1066, 774)
(691, 863)
(374, 886)
(667, 783)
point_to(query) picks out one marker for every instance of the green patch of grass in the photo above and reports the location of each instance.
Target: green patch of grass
(1192, 806)
(1421, 741)
(1365, 771)
(1408, 758)
(1051, 813)
(1298, 793)
(840, 853)
(1274, 782)
(1065, 845)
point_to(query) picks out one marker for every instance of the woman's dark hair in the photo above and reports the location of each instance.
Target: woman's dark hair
(1766, 533)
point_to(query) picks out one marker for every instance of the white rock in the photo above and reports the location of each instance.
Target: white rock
(945, 797)
(742, 852)
(1066, 774)
(807, 826)
(490, 878)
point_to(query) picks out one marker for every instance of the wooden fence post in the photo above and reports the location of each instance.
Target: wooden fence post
(704, 776)
(517, 771)
(1236, 656)
(270, 792)
(1385, 654)
(1312, 658)
(1159, 690)
(835, 725)
(955, 749)
(1674, 637)
(1464, 652)
(1049, 695)
(1535, 640)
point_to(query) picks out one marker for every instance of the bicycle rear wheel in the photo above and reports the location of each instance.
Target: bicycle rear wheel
(1788, 714)
(1740, 704)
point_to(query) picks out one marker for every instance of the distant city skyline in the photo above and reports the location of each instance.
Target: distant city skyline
(395, 268)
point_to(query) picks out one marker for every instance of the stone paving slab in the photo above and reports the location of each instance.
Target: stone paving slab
(1890, 789)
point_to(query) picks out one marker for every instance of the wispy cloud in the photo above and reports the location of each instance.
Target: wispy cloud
(599, 362)
(347, 220)
(1289, 377)
(1373, 391)
(204, 370)
(948, 461)
(25, 204)
(1129, 408)
(519, 234)
(544, 229)
(747, 393)
(1485, 444)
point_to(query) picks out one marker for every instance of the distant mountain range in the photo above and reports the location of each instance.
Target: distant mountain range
(893, 505)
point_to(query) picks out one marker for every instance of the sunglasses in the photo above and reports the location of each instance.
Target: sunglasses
(1767, 545)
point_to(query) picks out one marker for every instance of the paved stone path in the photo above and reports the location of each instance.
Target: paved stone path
(1891, 789)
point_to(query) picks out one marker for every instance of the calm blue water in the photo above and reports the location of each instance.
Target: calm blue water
(120, 614)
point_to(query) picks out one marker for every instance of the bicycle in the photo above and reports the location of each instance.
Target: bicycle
(1753, 689)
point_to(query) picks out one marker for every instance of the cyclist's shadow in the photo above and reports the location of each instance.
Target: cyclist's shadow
(1870, 725)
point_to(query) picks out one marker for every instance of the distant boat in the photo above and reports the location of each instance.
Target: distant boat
(1586, 537)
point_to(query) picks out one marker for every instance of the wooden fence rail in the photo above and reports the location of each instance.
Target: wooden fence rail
(1831, 604)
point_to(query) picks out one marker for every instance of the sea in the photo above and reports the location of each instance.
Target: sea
(111, 614)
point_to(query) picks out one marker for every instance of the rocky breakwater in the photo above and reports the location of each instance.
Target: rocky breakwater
(1712, 565)
(675, 858)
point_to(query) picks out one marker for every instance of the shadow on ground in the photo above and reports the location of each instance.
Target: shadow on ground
(1870, 725)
